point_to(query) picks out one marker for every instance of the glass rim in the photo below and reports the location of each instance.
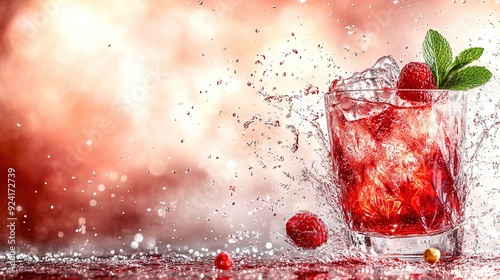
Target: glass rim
(392, 89)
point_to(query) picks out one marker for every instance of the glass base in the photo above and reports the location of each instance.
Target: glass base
(409, 248)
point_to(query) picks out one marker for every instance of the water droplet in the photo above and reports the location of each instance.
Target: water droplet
(138, 238)
(350, 30)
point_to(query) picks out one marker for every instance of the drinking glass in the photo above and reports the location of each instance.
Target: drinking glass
(398, 168)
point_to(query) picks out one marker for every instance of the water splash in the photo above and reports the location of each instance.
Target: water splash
(303, 116)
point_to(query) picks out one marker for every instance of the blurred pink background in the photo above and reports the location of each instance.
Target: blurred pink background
(125, 123)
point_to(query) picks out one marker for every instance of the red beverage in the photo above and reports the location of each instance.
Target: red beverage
(397, 163)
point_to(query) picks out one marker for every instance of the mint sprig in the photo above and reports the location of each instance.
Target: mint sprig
(437, 54)
(465, 57)
(450, 73)
(467, 78)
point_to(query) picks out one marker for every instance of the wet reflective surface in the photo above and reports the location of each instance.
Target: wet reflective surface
(275, 267)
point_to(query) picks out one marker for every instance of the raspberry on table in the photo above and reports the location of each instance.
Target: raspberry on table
(223, 261)
(416, 75)
(307, 230)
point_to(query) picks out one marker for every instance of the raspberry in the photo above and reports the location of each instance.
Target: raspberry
(223, 261)
(416, 75)
(306, 230)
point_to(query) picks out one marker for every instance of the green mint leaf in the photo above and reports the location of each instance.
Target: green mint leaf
(465, 57)
(437, 54)
(468, 78)
(449, 73)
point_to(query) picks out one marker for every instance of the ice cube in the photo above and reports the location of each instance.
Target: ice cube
(354, 109)
(367, 91)
(358, 143)
(382, 75)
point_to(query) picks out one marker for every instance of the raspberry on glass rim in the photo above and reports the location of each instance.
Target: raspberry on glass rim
(416, 75)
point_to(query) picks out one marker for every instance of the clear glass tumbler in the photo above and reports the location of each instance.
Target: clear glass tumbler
(399, 169)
